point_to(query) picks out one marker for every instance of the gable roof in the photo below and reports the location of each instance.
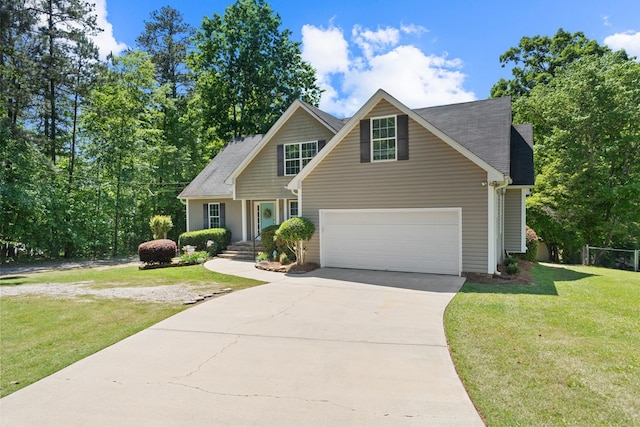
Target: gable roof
(484, 127)
(323, 118)
(211, 181)
(494, 172)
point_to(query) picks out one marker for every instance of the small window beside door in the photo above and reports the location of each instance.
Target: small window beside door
(293, 208)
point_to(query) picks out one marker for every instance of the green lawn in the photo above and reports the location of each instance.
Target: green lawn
(40, 335)
(564, 351)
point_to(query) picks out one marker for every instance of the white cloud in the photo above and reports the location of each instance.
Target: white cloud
(350, 73)
(413, 29)
(629, 41)
(104, 40)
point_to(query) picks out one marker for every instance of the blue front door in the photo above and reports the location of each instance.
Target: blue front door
(267, 215)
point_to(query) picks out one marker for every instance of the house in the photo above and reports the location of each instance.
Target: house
(437, 190)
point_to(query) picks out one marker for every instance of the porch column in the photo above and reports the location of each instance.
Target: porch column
(278, 211)
(244, 220)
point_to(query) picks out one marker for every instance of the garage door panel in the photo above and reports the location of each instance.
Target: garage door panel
(416, 240)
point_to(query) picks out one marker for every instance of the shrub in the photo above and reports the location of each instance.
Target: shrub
(284, 259)
(212, 240)
(194, 258)
(160, 226)
(295, 232)
(513, 269)
(272, 243)
(510, 260)
(268, 238)
(157, 251)
(262, 256)
(532, 245)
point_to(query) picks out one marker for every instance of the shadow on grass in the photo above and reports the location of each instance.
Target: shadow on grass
(15, 280)
(544, 276)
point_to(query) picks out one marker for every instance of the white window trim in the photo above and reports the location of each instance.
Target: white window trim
(371, 139)
(299, 158)
(209, 215)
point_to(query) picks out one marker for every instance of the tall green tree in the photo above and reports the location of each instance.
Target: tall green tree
(587, 125)
(178, 156)
(119, 135)
(537, 59)
(248, 71)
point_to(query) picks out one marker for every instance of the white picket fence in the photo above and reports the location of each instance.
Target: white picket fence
(628, 262)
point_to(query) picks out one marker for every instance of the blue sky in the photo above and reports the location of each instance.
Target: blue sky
(422, 52)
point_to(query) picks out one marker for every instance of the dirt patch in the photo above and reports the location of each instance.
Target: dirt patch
(289, 268)
(524, 278)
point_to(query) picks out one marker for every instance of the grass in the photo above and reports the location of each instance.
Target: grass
(564, 351)
(40, 335)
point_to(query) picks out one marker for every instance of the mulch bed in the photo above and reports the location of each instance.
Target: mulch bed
(524, 278)
(289, 268)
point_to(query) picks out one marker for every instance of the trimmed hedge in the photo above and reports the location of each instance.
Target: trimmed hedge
(221, 237)
(157, 251)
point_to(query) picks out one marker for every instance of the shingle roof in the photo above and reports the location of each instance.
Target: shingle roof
(335, 123)
(483, 127)
(522, 154)
(211, 181)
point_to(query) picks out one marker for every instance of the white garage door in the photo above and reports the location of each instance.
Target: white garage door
(414, 240)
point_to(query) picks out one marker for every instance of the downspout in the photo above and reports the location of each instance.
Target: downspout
(497, 187)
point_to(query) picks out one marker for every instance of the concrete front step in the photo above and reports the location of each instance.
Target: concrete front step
(242, 250)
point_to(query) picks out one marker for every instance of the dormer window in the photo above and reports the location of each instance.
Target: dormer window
(297, 155)
(383, 139)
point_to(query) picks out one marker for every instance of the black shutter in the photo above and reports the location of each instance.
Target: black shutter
(205, 215)
(403, 137)
(280, 149)
(223, 217)
(321, 144)
(365, 141)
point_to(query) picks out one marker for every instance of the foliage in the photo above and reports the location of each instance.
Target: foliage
(538, 59)
(510, 260)
(513, 269)
(531, 240)
(160, 226)
(248, 72)
(272, 243)
(263, 256)
(193, 258)
(587, 129)
(559, 352)
(160, 251)
(295, 232)
(212, 240)
(284, 258)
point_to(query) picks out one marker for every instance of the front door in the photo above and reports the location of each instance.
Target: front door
(266, 214)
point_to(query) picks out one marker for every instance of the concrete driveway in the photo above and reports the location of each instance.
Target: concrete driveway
(331, 348)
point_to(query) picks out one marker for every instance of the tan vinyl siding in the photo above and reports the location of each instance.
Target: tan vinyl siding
(233, 215)
(513, 211)
(260, 179)
(435, 176)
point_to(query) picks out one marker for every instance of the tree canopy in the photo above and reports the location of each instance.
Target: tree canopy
(248, 71)
(587, 127)
(537, 59)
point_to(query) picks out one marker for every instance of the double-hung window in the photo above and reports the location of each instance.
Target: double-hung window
(293, 208)
(297, 155)
(214, 215)
(383, 139)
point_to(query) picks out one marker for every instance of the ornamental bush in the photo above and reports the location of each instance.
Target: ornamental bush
(212, 240)
(532, 245)
(160, 226)
(272, 243)
(295, 232)
(157, 251)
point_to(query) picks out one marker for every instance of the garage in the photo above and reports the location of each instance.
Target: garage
(411, 240)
